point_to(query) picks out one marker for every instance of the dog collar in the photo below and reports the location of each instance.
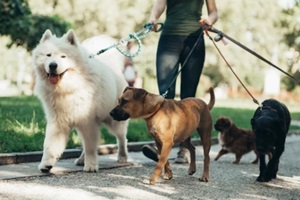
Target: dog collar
(267, 108)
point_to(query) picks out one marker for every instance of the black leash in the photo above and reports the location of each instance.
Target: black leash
(183, 65)
(220, 35)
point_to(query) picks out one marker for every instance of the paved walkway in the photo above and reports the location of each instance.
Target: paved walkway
(125, 181)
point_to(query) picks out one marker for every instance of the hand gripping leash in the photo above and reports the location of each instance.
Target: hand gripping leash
(136, 36)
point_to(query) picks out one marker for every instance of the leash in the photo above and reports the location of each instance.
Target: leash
(254, 100)
(137, 36)
(182, 66)
(219, 37)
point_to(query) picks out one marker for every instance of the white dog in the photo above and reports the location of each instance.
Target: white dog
(76, 92)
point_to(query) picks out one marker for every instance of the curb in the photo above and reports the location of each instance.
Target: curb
(36, 156)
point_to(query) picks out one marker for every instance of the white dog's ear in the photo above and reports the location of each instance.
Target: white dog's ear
(46, 36)
(71, 37)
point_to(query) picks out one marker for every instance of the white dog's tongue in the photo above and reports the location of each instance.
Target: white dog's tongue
(53, 78)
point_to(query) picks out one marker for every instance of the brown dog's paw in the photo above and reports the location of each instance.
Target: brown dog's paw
(192, 171)
(203, 179)
(146, 181)
(149, 182)
(168, 176)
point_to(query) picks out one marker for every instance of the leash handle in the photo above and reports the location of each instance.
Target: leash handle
(150, 26)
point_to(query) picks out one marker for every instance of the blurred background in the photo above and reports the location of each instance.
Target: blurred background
(269, 27)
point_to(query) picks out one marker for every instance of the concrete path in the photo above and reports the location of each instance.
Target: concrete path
(125, 181)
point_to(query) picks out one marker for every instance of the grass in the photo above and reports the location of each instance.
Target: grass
(22, 125)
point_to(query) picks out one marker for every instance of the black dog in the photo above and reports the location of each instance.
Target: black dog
(270, 125)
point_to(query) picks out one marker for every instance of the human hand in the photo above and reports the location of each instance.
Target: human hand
(204, 24)
(154, 22)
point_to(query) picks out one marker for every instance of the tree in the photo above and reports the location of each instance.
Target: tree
(23, 28)
(289, 22)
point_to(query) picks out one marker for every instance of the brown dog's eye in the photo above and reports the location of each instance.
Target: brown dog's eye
(123, 102)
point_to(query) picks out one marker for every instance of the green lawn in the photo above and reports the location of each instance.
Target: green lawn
(22, 125)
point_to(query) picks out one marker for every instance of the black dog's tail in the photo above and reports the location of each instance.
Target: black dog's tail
(212, 98)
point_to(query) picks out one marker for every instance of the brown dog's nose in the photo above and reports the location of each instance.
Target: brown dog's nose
(112, 113)
(118, 114)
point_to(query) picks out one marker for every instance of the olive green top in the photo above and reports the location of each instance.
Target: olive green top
(182, 17)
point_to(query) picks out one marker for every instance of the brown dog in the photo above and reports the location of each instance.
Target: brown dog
(168, 122)
(234, 140)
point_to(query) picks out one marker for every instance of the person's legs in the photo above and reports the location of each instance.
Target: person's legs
(167, 61)
(191, 71)
(190, 76)
(172, 51)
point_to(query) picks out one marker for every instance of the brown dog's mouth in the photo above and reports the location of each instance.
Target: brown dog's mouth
(55, 78)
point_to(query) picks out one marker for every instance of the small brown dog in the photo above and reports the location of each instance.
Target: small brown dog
(168, 122)
(235, 140)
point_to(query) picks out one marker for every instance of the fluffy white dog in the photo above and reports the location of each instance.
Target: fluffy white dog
(76, 92)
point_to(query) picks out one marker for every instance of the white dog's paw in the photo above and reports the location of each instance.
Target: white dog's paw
(45, 168)
(91, 168)
(122, 159)
(79, 162)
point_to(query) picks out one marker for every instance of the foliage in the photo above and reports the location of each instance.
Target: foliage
(290, 24)
(25, 29)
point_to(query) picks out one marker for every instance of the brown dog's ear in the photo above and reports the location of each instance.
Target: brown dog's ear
(153, 102)
(127, 88)
(139, 93)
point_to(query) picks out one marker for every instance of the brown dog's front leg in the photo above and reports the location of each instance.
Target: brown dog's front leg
(163, 159)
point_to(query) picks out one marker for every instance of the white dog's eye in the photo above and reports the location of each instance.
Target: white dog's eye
(48, 54)
(63, 56)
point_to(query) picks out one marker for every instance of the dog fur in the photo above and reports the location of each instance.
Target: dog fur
(235, 140)
(270, 124)
(168, 122)
(78, 92)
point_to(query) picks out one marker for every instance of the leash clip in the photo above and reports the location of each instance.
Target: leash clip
(165, 93)
(219, 37)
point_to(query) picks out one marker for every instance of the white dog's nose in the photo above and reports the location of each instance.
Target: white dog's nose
(53, 66)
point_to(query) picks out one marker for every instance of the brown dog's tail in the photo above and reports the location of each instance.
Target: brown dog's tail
(212, 98)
